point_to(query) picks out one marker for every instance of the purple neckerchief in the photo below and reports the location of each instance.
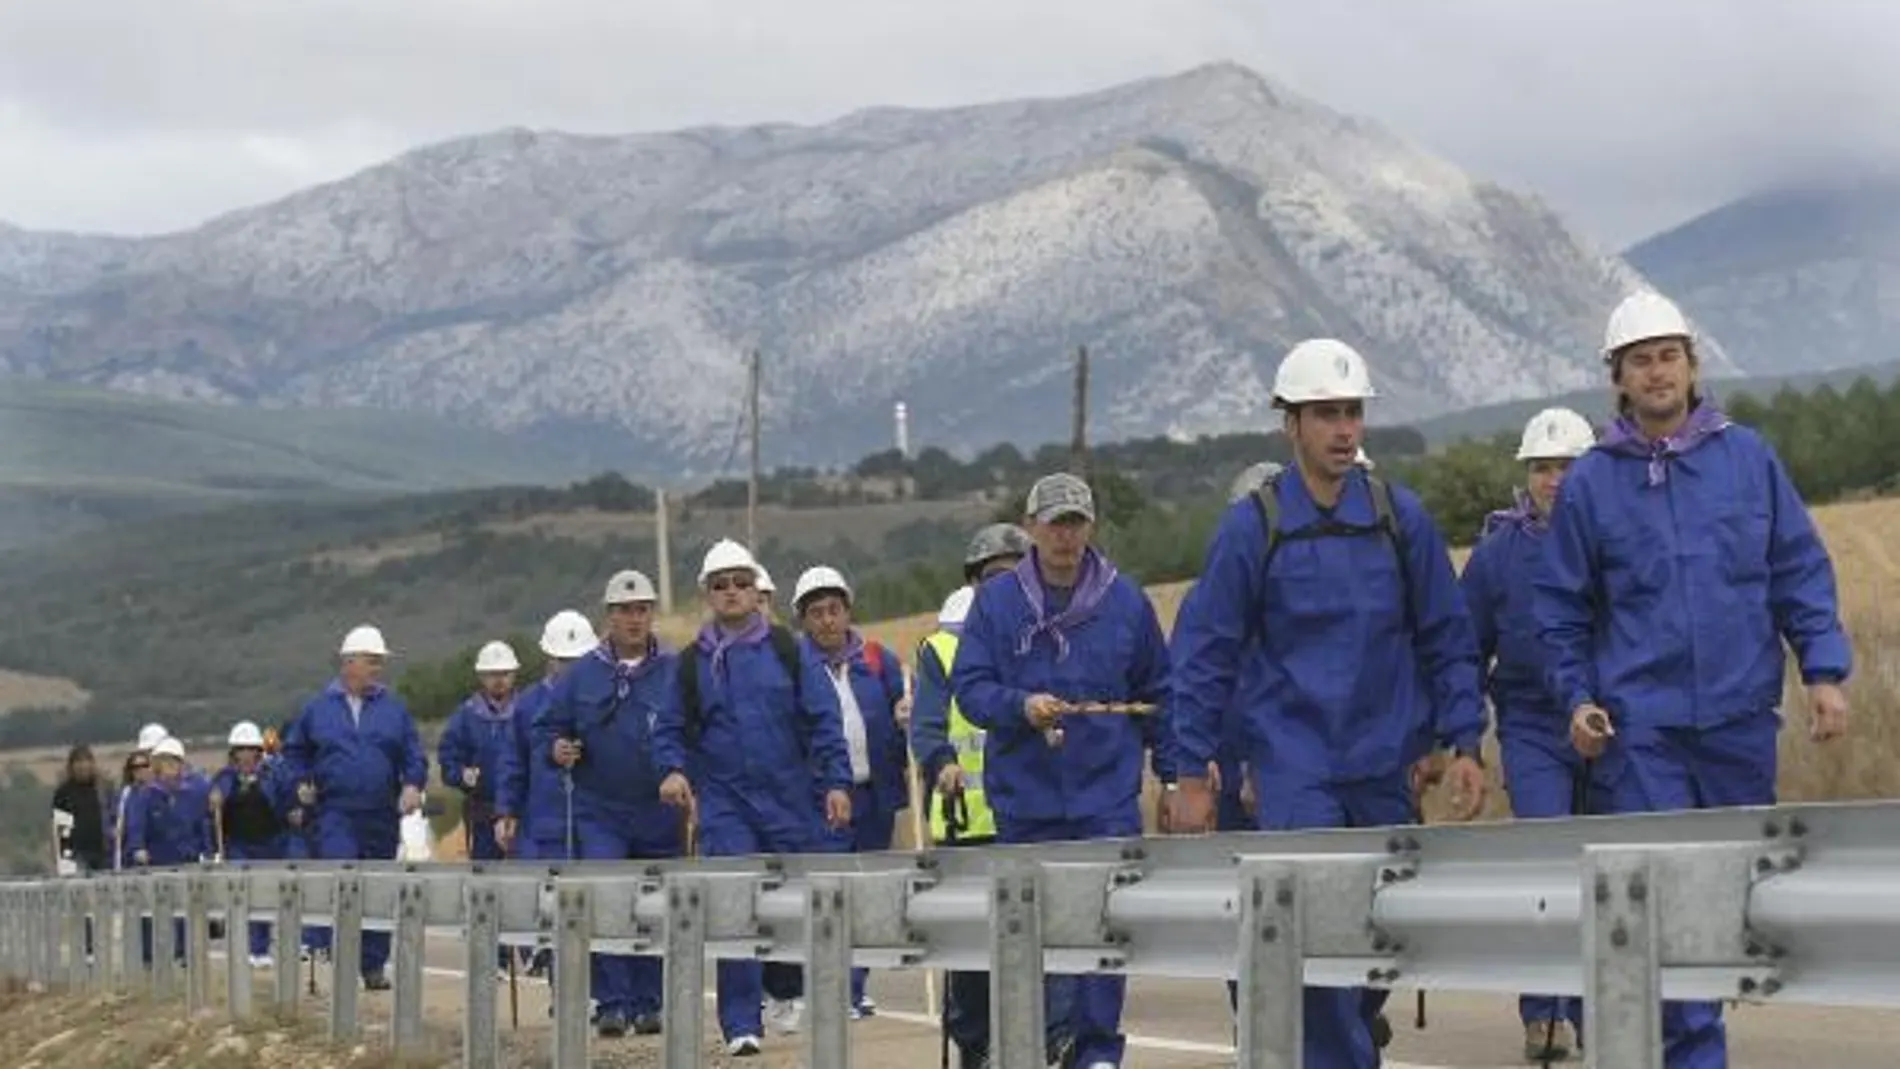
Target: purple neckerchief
(625, 675)
(488, 710)
(845, 654)
(1627, 439)
(1092, 584)
(1522, 513)
(716, 640)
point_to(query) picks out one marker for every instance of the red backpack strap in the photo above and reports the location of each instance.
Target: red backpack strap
(874, 657)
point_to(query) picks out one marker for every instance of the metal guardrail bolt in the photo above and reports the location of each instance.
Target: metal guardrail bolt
(1620, 935)
(1639, 888)
(1770, 986)
(1747, 986)
(1602, 888)
(1797, 827)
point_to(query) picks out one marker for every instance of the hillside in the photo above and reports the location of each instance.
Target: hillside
(75, 458)
(1188, 229)
(1794, 280)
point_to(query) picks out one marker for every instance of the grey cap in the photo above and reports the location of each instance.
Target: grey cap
(997, 540)
(1059, 495)
(628, 587)
(1252, 479)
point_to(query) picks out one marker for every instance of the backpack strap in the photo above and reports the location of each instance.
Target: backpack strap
(689, 693)
(1266, 499)
(785, 644)
(874, 657)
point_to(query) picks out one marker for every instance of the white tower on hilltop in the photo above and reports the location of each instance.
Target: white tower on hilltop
(901, 415)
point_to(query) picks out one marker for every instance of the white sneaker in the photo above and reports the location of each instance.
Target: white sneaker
(866, 1007)
(784, 1017)
(743, 1047)
(260, 961)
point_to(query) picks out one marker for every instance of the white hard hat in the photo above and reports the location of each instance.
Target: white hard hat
(1556, 433)
(568, 635)
(1641, 316)
(628, 587)
(151, 735)
(169, 747)
(818, 580)
(727, 556)
(496, 656)
(1323, 369)
(766, 586)
(363, 640)
(244, 734)
(956, 607)
(1360, 458)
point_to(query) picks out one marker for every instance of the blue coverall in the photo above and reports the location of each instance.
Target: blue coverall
(884, 790)
(171, 823)
(610, 706)
(1097, 642)
(1673, 572)
(476, 734)
(1543, 773)
(757, 764)
(359, 767)
(530, 787)
(1346, 676)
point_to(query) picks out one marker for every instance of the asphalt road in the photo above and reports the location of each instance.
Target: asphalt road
(1185, 1025)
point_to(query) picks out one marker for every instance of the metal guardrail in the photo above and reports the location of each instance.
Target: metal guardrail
(1794, 904)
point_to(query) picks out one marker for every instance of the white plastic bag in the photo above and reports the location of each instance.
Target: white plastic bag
(418, 839)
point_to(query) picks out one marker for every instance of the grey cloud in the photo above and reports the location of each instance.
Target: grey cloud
(1629, 115)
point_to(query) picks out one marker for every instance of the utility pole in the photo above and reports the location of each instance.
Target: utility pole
(662, 536)
(752, 480)
(1079, 438)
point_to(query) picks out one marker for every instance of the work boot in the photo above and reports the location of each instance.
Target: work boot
(611, 1025)
(377, 980)
(1381, 1032)
(647, 1024)
(1547, 1041)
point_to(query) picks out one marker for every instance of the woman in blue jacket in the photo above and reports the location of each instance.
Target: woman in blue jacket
(1543, 774)
(169, 823)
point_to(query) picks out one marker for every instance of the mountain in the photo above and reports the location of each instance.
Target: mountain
(1793, 280)
(1188, 229)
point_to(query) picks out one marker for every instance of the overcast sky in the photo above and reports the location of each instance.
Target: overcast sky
(1630, 115)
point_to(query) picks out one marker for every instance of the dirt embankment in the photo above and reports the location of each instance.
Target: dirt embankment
(120, 1033)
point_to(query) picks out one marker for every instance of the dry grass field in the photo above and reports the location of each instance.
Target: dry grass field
(19, 690)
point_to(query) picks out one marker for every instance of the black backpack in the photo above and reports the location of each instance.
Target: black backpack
(1266, 500)
(784, 643)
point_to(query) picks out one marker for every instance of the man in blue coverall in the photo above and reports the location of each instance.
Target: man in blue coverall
(469, 753)
(1680, 556)
(869, 681)
(599, 726)
(1063, 629)
(750, 736)
(533, 795)
(1362, 652)
(354, 754)
(1543, 773)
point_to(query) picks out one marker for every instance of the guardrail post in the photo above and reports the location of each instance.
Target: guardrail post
(685, 1004)
(135, 896)
(45, 928)
(481, 1035)
(828, 971)
(573, 986)
(346, 945)
(53, 934)
(1622, 947)
(73, 902)
(237, 945)
(1272, 964)
(406, 953)
(198, 942)
(1017, 1030)
(287, 940)
(164, 944)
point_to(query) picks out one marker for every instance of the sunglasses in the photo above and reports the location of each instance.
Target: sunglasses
(140, 766)
(729, 582)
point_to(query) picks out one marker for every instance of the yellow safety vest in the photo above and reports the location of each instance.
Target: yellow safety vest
(967, 739)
